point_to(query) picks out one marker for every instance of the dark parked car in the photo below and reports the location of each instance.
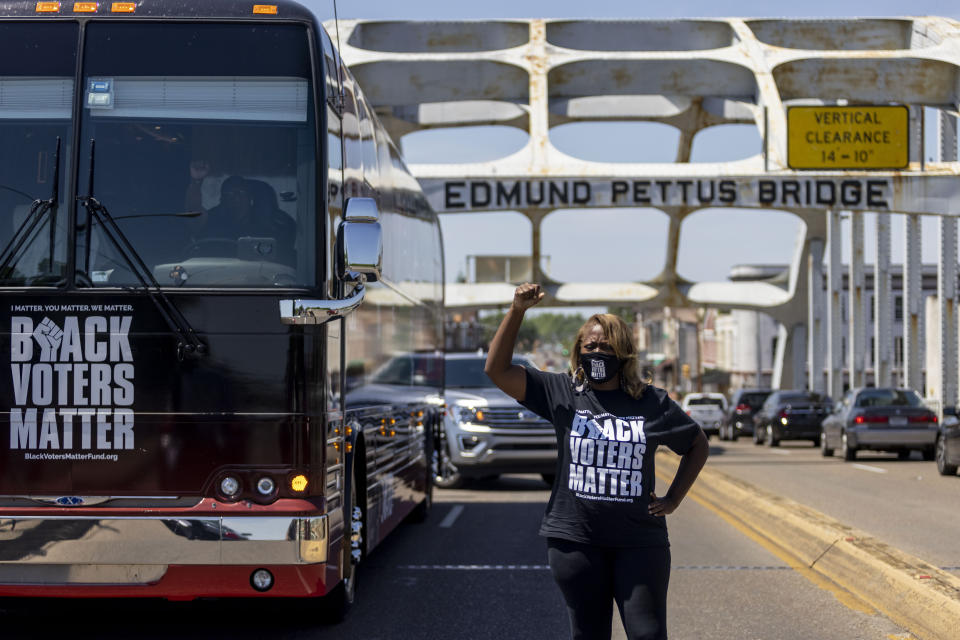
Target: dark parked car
(880, 419)
(791, 415)
(948, 442)
(738, 420)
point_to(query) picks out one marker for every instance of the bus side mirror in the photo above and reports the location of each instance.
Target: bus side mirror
(360, 241)
(359, 259)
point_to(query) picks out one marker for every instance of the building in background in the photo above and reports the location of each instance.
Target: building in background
(715, 349)
(736, 347)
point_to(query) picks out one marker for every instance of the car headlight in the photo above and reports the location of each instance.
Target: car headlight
(463, 414)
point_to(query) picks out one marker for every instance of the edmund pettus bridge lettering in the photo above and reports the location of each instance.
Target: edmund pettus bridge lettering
(484, 195)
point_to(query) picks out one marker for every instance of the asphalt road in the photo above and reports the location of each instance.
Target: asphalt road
(905, 503)
(476, 570)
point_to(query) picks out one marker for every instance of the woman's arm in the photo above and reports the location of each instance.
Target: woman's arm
(690, 464)
(511, 378)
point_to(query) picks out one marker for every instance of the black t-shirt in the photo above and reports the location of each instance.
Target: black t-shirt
(606, 442)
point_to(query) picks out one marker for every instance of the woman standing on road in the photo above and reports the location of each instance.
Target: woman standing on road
(605, 528)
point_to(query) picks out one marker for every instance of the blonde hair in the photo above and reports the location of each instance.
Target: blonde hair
(620, 337)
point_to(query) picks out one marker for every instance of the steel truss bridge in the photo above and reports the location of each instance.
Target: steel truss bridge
(694, 74)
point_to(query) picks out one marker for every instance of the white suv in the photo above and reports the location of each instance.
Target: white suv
(486, 432)
(707, 409)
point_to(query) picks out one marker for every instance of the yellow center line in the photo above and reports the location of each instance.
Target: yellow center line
(843, 596)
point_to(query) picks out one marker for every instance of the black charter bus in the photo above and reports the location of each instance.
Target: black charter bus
(207, 239)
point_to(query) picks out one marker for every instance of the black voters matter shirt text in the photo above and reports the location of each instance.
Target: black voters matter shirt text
(606, 442)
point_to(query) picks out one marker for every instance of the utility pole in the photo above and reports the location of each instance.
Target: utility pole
(700, 350)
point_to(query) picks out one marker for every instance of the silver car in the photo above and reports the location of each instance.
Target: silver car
(880, 419)
(485, 431)
(707, 409)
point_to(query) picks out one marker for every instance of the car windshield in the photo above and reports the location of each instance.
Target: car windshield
(468, 372)
(889, 398)
(704, 401)
(787, 398)
(753, 400)
(410, 369)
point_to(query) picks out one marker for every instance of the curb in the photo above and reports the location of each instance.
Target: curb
(913, 593)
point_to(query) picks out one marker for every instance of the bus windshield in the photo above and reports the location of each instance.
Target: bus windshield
(37, 65)
(201, 148)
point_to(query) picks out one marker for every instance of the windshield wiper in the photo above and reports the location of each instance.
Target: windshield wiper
(189, 344)
(181, 214)
(26, 195)
(38, 210)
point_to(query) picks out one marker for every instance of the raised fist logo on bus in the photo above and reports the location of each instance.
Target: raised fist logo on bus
(606, 457)
(72, 385)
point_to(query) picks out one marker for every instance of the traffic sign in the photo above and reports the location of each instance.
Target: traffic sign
(861, 137)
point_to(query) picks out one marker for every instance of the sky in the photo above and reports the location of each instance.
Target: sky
(630, 241)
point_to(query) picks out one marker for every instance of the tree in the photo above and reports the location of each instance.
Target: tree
(558, 327)
(526, 337)
(549, 328)
(628, 314)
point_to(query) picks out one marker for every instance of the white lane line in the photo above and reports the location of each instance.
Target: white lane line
(455, 512)
(867, 467)
(780, 452)
(476, 567)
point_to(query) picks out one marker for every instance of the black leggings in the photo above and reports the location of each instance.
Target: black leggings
(591, 577)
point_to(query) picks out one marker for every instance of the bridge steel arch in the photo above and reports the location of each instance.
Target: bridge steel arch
(693, 74)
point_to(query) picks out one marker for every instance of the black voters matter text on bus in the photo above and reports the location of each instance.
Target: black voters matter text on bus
(73, 385)
(606, 457)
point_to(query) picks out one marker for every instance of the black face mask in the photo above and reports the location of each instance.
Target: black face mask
(599, 367)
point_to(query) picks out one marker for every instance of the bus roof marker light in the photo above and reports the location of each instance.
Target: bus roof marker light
(85, 7)
(48, 7)
(123, 7)
(265, 9)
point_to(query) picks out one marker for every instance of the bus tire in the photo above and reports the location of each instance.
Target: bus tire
(446, 475)
(337, 604)
(421, 512)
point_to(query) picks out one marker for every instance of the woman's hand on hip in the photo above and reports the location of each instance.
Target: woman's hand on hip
(661, 506)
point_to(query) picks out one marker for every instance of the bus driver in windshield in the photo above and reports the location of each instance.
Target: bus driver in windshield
(247, 209)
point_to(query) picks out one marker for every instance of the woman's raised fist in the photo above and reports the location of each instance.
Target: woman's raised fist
(527, 295)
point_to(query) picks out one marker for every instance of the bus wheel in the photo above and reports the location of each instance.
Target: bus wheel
(338, 602)
(446, 475)
(422, 510)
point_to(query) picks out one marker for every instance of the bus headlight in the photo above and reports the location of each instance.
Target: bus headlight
(261, 580)
(265, 486)
(230, 486)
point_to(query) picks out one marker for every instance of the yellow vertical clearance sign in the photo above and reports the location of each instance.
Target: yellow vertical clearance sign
(861, 137)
